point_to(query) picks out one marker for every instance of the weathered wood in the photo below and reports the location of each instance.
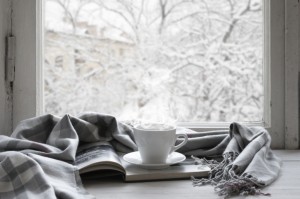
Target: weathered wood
(291, 74)
(25, 85)
(5, 87)
(275, 41)
(286, 186)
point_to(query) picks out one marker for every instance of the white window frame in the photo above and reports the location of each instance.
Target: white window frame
(281, 40)
(5, 92)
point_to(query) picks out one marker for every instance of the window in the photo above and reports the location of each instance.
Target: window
(189, 61)
(27, 95)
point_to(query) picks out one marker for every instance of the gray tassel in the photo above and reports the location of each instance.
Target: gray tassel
(226, 182)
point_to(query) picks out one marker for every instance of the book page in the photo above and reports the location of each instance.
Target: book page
(97, 156)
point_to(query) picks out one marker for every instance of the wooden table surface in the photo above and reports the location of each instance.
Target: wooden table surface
(287, 186)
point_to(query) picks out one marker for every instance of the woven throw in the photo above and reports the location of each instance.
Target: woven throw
(37, 160)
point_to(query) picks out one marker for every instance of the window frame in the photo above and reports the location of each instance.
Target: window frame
(282, 107)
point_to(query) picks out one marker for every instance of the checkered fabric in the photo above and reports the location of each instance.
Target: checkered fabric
(37, 160)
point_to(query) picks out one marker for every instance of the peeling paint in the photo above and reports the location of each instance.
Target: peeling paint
(9, 85)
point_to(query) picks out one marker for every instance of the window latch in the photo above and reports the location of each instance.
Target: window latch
(10, 58)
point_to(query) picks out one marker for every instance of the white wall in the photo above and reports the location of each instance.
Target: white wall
(5, 97)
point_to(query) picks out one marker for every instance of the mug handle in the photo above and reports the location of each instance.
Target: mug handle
(182, 143)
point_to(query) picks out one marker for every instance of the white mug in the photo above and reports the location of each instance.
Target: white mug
(156, 142)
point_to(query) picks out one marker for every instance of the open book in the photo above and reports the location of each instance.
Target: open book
(101, 160)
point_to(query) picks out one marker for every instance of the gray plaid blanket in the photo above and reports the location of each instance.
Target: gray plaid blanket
(37, 160)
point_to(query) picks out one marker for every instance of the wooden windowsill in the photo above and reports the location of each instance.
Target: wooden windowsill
(286, 186)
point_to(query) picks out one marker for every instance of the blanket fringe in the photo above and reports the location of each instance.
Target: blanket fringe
(225, 181)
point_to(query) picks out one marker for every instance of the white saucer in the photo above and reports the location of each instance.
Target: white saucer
(135, 158)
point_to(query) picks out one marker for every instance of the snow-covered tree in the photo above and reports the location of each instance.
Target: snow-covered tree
(184, 60)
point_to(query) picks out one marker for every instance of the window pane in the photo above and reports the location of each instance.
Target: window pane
(185, 60)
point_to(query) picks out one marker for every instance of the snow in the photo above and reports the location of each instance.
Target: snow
(127, 59)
